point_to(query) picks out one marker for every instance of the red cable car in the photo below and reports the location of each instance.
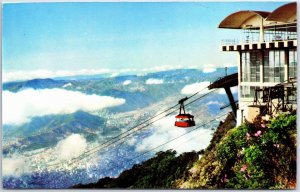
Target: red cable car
(184, 120)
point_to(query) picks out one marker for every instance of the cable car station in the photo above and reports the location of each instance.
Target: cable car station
(267, 61)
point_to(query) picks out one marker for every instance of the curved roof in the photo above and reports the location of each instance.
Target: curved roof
(243, 19)
(286, 13)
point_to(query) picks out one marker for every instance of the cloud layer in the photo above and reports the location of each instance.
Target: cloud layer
(234, 90)
(26, 75)
(153, 81)
(70, 147)
(209, 70)
(8, 76)
(19, 107)
(195, 87)
(14, 166)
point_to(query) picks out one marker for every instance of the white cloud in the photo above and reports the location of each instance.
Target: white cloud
(215, 103)
(127, 82)
(164, 68)
(132, 141)
(152, 81)
(19, 107)
(70, 147)
(14, 166)
(164, 131)
(233, 90)
(67, 85)
(209, 70)
(195, 87)
(8, 76)
(26, 75)
(114, 74)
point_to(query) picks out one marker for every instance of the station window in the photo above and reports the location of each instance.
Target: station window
(249, 91)
(251, 66)
(245, 66)
(274, 66)
(293, 63)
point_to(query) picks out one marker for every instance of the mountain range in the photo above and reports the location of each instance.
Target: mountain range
(145, 96)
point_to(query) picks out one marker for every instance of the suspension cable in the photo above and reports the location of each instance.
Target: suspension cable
(107, 143)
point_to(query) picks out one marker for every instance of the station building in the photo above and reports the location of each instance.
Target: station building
(267, 60)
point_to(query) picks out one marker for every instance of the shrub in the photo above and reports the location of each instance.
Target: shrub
(258, 156)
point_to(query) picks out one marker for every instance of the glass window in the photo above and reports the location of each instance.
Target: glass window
(292, 63)
(255, 66)
(245, 66)
(267, 71)
(249, 91)
(274, 66)
(251, 66)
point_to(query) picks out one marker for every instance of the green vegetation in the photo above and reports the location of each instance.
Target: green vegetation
(252, 156)
(158, 172)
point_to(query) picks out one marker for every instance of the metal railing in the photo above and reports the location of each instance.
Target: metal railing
(267, 38)
(271, 34)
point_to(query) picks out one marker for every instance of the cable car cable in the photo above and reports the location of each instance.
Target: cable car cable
(117, 137)
(92, 151)
(183, 134)
(195, 128)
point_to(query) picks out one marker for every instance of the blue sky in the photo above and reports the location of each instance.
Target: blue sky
(77, 36)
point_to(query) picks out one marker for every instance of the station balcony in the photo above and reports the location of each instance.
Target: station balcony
(273, 37)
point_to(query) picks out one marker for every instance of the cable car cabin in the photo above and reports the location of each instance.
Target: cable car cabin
(184, 120)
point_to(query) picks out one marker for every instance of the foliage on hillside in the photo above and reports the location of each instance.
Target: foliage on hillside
(251, 156)
(157, 172)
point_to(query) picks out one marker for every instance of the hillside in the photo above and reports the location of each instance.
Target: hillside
(251, 156)
(46, 131)
(157, 172)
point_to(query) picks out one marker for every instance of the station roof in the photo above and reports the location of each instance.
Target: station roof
(286, 13)
(283, 15)
(243, 19)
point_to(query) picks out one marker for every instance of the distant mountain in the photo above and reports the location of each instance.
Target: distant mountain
(190, 74)
(134, 100)
(48, 130)
(102, 82)
(34, 83)
(83, 77)
(145, 96)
